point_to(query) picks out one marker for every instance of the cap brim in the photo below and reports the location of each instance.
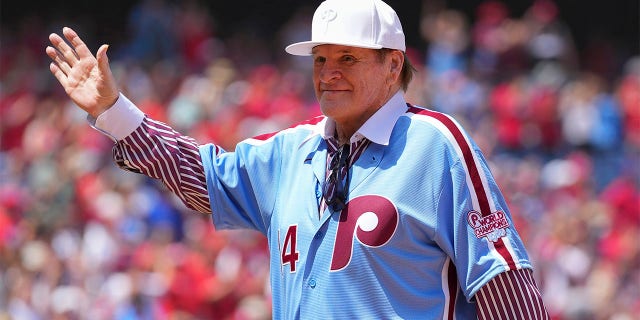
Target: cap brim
(304, 48)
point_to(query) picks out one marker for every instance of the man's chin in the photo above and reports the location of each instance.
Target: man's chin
(331, 108)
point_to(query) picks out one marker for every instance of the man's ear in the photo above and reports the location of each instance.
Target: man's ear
(397, 60)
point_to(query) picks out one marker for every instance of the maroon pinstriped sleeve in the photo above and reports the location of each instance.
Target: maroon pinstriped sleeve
(511, 295)
(156, 150)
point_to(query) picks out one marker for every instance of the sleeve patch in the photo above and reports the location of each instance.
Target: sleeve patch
(492, 226)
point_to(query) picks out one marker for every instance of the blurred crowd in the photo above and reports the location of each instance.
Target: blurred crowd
(82, 239)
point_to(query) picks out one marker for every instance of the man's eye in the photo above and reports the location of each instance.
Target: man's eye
(348, 59)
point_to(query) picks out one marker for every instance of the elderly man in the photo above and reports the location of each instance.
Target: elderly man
(378, 209)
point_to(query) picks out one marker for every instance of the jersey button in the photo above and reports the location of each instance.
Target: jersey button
(312, 283)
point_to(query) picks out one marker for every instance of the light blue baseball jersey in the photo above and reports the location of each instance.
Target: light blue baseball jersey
(424, 228)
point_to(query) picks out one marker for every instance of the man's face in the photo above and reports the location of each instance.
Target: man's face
(351, 83)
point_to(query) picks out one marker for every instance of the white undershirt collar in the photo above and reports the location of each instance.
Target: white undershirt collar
(379, 126)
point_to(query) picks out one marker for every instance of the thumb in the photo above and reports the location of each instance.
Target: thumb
(103, 60)
(110, 90)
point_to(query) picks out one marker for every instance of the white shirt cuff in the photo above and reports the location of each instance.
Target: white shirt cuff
(120, 120)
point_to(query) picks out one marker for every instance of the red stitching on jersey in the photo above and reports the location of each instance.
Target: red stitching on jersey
(481, 193)
(452, 279)
(311, 121)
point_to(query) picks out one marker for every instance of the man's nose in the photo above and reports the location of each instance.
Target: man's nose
(329, 73)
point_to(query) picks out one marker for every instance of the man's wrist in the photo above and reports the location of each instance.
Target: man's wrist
(119, 120)
(95, 114)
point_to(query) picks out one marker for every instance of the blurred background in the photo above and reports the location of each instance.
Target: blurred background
(550, 90)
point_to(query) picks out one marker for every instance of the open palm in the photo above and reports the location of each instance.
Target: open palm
(87, 79)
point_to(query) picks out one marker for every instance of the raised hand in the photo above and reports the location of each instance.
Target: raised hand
(87, 79)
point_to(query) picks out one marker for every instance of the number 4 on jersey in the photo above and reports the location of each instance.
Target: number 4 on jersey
(289, 253)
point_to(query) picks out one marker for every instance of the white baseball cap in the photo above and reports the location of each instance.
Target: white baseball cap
(370, 24)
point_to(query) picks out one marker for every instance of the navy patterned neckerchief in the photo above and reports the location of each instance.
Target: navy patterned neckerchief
(339, 160)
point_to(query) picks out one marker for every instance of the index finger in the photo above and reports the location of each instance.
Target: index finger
(80, 47)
